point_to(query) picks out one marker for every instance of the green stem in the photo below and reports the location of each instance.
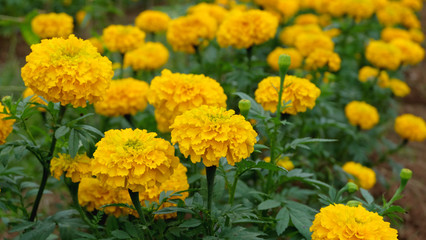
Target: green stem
(210, 174)
(137, 203)
(122, 66)
(233, 188)
(198, 56)
(249, 55)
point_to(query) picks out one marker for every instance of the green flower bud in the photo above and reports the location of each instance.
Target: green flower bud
(352, 187)
(353, 203)
(284, 62)
(406, 174)
(7, 100)
(244, 106)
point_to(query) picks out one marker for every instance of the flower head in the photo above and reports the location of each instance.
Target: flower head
(306, 19)
(174, 93)
(360, 9)
(75, 168)
(120, 38)
(306, 43)
(245, 29)
(368, 73)
(383, 55)
(296, 57)
(399, 88)
(300, 91)
(152, 21)
(364, 177)
(388, 34)
(289, 34)
(125, 96)
(362, 114)
(215, 11)
(149, 56)
(70, 71)
(411, 127)
(338, 221)
(97, 43)
(133, 159)
(211, 133)
(286, 163)
(320, 58)
(411, 53)
(6, 126)
(52, 25)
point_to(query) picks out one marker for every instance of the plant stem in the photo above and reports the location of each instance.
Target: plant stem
(137, 203)
(233, 188)
(249, 55)
(210, 174)
(46, 173)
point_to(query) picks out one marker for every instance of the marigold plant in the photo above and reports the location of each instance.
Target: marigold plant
(364, 177)
(120, 38)
(410, 127)
(52, 25)
(383, 55)
(399, 88)
(149, 56)
(152, 21)
(362, 114)
(75, 168)
(6, 126)
(29, 92)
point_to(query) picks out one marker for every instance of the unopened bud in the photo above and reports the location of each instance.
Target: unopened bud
(406, 174)
(244, 106)
(352, 187)
(284, 62)
(7, 100)
(353, 203)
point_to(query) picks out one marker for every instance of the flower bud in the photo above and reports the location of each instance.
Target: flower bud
(353, 203)
(7, 100)
(406, 174)
(352, 187)
(244, 106)
(284, 62)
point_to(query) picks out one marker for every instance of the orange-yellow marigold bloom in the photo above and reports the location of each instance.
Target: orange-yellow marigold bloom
(75, 168)
(70, 71)
(410, 127)
(125, 96)
(152, 21)
(296, 57)
(355, 223)
(215, 11)
(320, 58)
(399, 88)
(289, 34)
(415, 5)
(306, 19)
(362, 114)
(369, 73)
(97, 43)
(172, 94)
(6, 126)
(364, 177)
(211, 133)
(388, 34)
(245, 29)
(360, 9)
(306, 43)
(149, 56)
(411, 53)
(417, 35)
(383, 55)
(52, 25)
(300, 91)
(120, 38)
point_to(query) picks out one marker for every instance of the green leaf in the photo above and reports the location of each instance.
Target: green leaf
(40, 232)
(283, 218)
(268, 204)
(120, 234)
(22, 226)
(91, 129)
(73, 143)
(61, 131)
(173, 209)
(190, 223)
(367, 196)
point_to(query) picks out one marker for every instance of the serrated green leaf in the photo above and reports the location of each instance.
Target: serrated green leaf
(120, 234)
(283, 218)
(61, 131)
(367, 196)
(268, 204)
(190, 223)
(73, 143)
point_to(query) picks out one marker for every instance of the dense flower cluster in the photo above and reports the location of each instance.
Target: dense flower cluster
(217, 12)
(75, 168)
(174, 93)
(149, 56)
(410, 127)
(125, 96)
(320, 58)
(306, 43)
(344, 222)
(368, 73)
(52, 25)
(70, 71)
(300, 91)
(364, 177)
(399, 88)
(6, 126)
(133, 159)
(362, 114)
(411, 53)
(289, 35)
(119, 38)
(187, 33)
(383, 55)
(296, 57)
(211, 133)
(152, 21)
(245, 29)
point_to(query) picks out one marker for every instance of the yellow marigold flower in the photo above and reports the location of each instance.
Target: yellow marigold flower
(296, 57)
(210, 133)
(306, 19)
(388, 34)
(289, 34)
(362, 114)
(74, 168)
(411, 53)
(70, 71)
(417, 35)
(369, 73)
(320, 58)
(149, 56)
(246, 29)
(125, 96)
(337, 8)
(383, 55)
(288, 8)
(152, 21)
(120, 38)
(364, 177)
(133, 159)
(378, 4)
(338, 221)
(300, 91)
(286, 163)
(188, 32)
(307, 4)
(97, 43)
(410, 19)
(6, 126)
(360, 9)
(217, 12)
(410, 127)
(79, 16)
(29, 92)
(333, 32)
(391, 14)
(306, 43)
(174, 93)
(415, 5)
(399, 88)
(52, 25)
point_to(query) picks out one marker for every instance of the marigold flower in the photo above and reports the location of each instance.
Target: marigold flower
(29, 92)
(415, 5)
(210, 133)
(388, 34)
(70, 71)
(360, 9)
(246, 29)
(215, 11)
(149, 56)
(189, 32)
(287, 8)
(383, 55)
(411, 53)
(289, 34)
(306, 19)
(296, 57)
(80, 16)
(333, 32)
(362, 114)
(52, 25)
(364, 177)
(399, 88)
(125, 96)
(300, 91)
(152, 21)
(369, 73)
(410, 127)
(174, 93)
(75, 168)
(97, 43)
(120, 38)
(286, 163)
(320, 58)
(6, 126)
(417, 35)
(337, 8)
(133, 159)
(338, 221)
(306, 43)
